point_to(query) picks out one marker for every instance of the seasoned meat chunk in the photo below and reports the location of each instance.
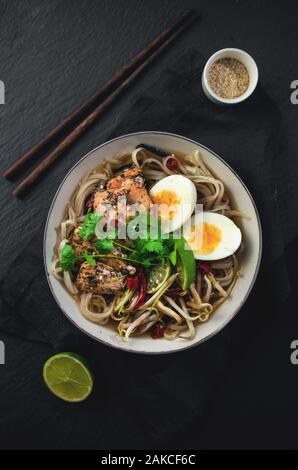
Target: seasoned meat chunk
(106, 277)
(79, 245)
(128, 177)
(106, 200)
(129, 184)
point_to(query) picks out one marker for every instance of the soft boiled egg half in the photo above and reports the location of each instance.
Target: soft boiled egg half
(175, 197)
(213, 236)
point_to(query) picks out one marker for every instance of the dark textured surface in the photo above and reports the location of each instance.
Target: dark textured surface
(53, 55)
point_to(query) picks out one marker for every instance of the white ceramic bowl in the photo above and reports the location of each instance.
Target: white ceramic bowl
(246, 60)
(252, 237)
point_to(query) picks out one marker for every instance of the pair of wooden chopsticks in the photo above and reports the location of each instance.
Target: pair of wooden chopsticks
(89, 111)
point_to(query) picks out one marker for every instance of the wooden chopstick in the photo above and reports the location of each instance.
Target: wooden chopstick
(84, 125)
(109, 87)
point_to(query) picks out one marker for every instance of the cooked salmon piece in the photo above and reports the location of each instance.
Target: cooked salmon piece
(123, 180)
(107, 200)
(129, 184)
(106, 277)
(79, 245)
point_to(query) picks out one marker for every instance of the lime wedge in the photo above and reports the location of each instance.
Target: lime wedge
(157, 277)
(68, 377)
(186, 264)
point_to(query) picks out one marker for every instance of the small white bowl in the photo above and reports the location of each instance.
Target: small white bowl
(246, 60)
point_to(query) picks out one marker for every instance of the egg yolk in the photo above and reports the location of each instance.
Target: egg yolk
(167, 202)
(205, 238)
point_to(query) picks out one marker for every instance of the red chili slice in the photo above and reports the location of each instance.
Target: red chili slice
(157, 330)
(204, 267)
(89, 203)
(172, 164)
(132, 283)
(143, 288)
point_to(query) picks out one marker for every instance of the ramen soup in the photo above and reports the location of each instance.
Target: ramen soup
(149, 244)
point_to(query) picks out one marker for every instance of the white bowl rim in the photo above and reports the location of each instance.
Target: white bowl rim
(116, 346)
(247, 93)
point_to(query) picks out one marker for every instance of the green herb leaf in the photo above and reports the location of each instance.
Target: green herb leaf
(87, 229)
(67, 258)
(104, 245)
(152, 251)
(89, 258)
(112, 235)
(148, 263)
(173, 257)
(153, 246)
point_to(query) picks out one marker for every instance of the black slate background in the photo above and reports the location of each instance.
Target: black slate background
(53, 55)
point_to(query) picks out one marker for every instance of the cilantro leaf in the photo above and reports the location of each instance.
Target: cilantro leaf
(89, 258)
(67, 257)
(104, 245)
(151, 251)
(87, 229)
(112, 235)
(153, 246)
(147, 263)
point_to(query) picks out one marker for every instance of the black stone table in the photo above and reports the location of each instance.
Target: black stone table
(53, 55)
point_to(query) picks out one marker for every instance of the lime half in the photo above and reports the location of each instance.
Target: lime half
(186, 264)
(157, 277)
(68, 377)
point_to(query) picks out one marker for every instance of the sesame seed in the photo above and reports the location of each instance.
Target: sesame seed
(228, 78)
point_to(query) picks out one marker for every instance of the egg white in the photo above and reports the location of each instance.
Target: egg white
(185, 191)
(230, 235)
